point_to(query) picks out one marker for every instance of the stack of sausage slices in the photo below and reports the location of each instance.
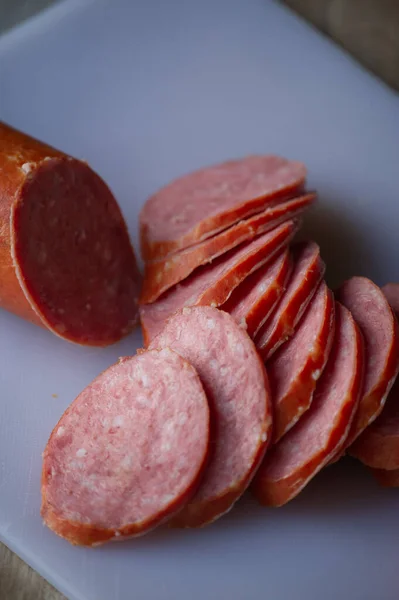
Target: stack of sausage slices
(254, 375)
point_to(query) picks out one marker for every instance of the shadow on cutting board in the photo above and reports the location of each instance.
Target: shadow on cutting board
(344, 245)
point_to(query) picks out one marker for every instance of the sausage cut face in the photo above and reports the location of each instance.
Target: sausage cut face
(73, 255)
(236, 384)
(129, 451)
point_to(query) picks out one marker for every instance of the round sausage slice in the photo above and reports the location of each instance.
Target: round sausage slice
(322, 430)
(236, 384)
(296, 367)
(379, 326)
(307, 274)
(66, 259)
(200, 204)
(254, 299)
(161, 275)
(213, 284)
(129, 451)
(378, 445)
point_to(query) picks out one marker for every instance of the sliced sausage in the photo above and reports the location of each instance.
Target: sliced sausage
(378, 445)
(161, 275)
(129, 451)
(66, 258)
(213, 284)
(236, 384)
(379, 326)
(386, 478)
(322, 430)
(307, 274)
(254, 299)
(200, 204)
(296, 367)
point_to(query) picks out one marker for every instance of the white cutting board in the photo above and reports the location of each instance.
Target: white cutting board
(145, 91)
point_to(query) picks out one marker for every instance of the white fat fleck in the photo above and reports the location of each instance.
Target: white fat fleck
(316, 374)
(243, 323)
(262, 288)
(263, 437)
(60, 431)
(81, 452)
(88, 306)
(167, 499)
(104, 422)
(214, 305)
(118, 421)
(182, 419)
(210, 323)
(166, 446)
(214, 364)
(117, 533)
(239, 349)
(224, 371)
(142, 400)
(27, 167)
(127, 461)
(145, 380)
(53, 472)
(186, 310)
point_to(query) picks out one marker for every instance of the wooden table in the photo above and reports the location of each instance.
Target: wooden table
(369, 29)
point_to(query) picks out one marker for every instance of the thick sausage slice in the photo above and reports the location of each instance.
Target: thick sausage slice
(378, 445)
(200, 204)
(379, 326)
(254, 299)
(161, 275)
(66, 259)
(322, 430)
(213, 284)
(386, 478)
(236, 384)
(307, 274)
(128, 452)
(296, 367)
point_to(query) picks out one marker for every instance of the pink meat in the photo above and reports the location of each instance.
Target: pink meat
(254, 299)
(306, 276)
(202, 203)
(163, 274)
(379, 326)
(321, 432)
(128, 452)
(213, 285)
(378, 445)
(236, 383)
(297, 366)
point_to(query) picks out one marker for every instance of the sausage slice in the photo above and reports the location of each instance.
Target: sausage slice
(236, 384)
(322, 430)
(161, 275)
(378, 445)
(254, 299)
(379, 326)
(297, 366)
(307, 273)
(200, 204)
(129, 451)
(213, 284)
